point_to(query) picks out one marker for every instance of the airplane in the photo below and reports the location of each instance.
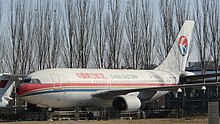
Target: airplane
(121, 89)
(7, 83)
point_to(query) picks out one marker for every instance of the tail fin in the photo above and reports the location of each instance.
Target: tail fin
(7, 83)
(177, 57)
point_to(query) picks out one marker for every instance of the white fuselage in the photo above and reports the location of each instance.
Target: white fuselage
(60, 88)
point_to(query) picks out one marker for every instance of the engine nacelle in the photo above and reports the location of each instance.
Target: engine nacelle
(126, 102)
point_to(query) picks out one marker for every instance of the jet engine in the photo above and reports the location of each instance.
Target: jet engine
(126, 102)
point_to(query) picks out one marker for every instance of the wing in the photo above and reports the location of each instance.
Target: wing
(111, 93)
(199, 78)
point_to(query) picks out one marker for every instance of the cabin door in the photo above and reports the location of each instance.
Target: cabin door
(56, 80)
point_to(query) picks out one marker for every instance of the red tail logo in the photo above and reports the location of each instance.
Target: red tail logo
(183, 45)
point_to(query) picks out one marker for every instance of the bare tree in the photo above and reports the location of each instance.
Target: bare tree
(56, 38)
(168, 29)
(133, 31)
(70, 57)
(26, 35)
(2, 42)
(214, 19)
(148, 36)
(114, 27)
(47, 34)
(79, 27)
(3, 52)
(14, 47)
(201, 30)
(182, 11)
(41, 24)
(85, 25)
(20, 47)
(99, 41)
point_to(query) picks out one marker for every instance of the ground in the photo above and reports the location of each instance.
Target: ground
(201, 120)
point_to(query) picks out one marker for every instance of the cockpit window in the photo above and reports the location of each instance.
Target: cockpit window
(26, 80)
(34, 80)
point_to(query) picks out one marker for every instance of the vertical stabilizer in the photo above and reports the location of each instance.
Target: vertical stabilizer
(177, 57)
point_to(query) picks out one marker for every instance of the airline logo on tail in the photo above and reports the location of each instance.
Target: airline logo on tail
(183, 45)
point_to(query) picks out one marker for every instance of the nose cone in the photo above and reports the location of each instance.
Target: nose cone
(31, 88)
(22, 88)
(25, 88)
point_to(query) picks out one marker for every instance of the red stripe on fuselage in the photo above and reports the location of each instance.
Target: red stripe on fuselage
(28, 87)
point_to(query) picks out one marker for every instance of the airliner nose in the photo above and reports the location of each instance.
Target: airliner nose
(19, 89)
(25, 88)
(22, 88)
